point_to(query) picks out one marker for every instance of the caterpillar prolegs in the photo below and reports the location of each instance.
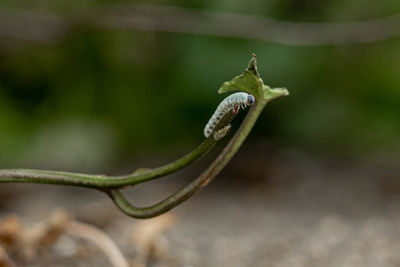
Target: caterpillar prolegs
(229, 104)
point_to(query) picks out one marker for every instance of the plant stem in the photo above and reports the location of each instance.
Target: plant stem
(108, 182)
(101, 181)
(249, 82)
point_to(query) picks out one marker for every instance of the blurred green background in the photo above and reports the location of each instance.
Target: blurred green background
(100, 97)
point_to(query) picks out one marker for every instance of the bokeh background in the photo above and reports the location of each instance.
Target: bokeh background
(109, 99)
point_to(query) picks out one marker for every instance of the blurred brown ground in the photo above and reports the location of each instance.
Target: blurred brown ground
(287, 209)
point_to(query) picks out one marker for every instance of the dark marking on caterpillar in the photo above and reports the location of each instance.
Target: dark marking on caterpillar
(230, 104)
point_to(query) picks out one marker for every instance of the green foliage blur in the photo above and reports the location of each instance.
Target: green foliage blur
(104, 95)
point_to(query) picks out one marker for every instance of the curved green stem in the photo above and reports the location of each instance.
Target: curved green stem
(101, 181)
(107, 182)
(204, 178)
(249, 82)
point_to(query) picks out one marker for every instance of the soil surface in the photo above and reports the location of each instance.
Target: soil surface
(268, 208)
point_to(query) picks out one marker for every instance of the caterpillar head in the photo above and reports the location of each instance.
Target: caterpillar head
(250, 100)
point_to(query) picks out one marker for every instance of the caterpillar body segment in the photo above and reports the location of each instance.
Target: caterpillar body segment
(231, 103)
